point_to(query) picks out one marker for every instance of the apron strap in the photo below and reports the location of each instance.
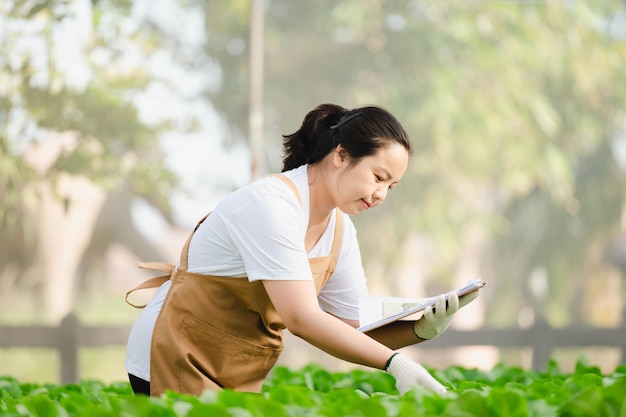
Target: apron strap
(290, 184)
(184, 253)
(338, 219)
(163, 267)
(157, 266)
(182, 266)
(153, 282)
(338, 234)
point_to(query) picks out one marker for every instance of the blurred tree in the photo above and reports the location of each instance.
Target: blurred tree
(75, 101)
(515, 109)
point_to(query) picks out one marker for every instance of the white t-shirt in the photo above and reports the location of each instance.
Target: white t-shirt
(258, 231)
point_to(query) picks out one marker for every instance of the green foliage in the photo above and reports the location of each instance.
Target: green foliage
(514, 108)
(312, 391)
(39, 99)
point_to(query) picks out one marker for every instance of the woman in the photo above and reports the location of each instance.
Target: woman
(281, 253)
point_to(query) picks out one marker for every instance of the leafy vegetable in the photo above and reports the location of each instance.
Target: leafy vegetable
(312, 391)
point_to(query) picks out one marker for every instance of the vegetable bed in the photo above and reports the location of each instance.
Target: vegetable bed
(313, 391)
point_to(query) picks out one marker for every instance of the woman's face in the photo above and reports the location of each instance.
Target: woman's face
(365, 185)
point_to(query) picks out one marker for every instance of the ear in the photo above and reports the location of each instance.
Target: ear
(340, 156)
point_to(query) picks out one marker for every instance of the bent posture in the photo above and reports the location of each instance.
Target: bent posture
(281, 253)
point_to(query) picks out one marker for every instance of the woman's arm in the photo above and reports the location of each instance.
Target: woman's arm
(403, 333)
(296, 303)
(395, 335)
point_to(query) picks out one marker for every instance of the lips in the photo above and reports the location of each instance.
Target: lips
(366, 204)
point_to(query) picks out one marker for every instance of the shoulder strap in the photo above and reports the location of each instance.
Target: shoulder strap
(338, 233)
(169, 268)
(338, 216)
(290, 184)
(163, 267)
(183, 254)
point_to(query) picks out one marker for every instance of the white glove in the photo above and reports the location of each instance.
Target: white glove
(409, 373)
(433, 323)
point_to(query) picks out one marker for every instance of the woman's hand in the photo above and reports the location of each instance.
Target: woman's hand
(433, 323)
(409, 373)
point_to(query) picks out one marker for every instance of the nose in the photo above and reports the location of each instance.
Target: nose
(380, 194)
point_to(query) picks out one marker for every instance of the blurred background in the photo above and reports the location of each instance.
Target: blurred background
(123, 122)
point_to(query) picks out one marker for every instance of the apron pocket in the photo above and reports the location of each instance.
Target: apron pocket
(228, 360)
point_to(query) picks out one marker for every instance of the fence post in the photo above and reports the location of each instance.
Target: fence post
(541, 342)
(68, 345)
(622, 328)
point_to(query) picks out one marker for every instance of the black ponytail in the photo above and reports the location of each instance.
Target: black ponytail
(313, 141)
(361, 132)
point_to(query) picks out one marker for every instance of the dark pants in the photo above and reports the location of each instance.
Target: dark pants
(139, 386)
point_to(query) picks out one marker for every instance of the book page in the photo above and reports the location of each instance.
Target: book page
(376, 312)
(375, 308)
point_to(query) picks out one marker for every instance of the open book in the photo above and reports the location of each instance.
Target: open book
(377, 311)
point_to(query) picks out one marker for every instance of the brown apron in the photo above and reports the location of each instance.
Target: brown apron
(219, 332)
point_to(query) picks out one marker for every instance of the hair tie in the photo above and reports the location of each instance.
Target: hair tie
(345, 120)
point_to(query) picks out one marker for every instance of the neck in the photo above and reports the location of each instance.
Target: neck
(321, 203)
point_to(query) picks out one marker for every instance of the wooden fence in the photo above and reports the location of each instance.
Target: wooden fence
(67, 338)
(540, 337)
(71, 335)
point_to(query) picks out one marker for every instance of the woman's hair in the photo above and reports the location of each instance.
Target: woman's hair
(361, 132)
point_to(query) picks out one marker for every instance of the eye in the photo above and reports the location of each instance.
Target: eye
(378, 178)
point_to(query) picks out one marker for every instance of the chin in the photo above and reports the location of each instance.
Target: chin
(351, 210)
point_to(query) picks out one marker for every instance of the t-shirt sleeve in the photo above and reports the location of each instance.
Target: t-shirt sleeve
(340, 296)
(268, 231)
